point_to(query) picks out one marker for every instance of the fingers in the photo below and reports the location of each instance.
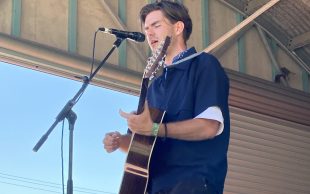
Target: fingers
(124, 114)
(131, 118)
(132, 113)
(141, 123)
(111, 141)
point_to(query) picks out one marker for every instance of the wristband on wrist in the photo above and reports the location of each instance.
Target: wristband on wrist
(155, 129)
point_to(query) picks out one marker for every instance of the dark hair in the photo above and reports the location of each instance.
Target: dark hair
(173, 11)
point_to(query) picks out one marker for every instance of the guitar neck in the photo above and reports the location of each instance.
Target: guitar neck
(143, 93)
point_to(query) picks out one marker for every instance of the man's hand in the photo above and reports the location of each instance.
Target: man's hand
(111, 141)
(142, 123)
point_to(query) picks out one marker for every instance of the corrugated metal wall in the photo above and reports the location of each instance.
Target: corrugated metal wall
(267, 155)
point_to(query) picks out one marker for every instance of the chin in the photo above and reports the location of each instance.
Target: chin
(153, 47)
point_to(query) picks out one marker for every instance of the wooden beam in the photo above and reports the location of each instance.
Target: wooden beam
(58, 62)
(299, 41)
(239, 27)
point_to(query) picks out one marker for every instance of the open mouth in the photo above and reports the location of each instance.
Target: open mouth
(154, 42)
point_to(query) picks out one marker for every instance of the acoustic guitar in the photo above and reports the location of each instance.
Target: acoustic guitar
(136, 171)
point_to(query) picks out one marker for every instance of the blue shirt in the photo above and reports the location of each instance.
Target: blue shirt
(184, 91)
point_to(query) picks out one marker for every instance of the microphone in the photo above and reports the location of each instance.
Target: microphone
(136, 36)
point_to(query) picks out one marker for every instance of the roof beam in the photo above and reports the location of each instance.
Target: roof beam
(299, 41)
(245, 23)
(298, 56)
(252, 5)
(271, 56)
(54, 61)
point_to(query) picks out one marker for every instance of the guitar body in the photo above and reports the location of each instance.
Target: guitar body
(135, 178)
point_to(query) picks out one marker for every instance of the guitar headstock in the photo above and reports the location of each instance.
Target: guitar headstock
(156, 60)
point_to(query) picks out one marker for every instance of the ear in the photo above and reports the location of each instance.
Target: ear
(179, 27)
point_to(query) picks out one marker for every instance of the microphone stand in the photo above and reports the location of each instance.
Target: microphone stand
(67, 113)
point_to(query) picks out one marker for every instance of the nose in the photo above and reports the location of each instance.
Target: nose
(149, 32)
(149, 38)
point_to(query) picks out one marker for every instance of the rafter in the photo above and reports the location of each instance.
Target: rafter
(230, 34)
(299, 41)
(253, 5)
(271, 56)
(283, 44)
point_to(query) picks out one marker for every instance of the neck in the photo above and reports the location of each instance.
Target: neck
(172, 53)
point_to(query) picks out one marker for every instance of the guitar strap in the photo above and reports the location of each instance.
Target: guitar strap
(187, 58)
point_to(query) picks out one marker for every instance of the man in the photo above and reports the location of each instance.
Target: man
(190, 155)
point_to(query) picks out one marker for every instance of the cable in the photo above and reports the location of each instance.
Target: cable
(28, 181)
(35, 188)
(19, 180)
(92, 64)
(4, 175)
(93, 55)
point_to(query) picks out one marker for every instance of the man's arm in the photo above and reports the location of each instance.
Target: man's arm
(193, 129)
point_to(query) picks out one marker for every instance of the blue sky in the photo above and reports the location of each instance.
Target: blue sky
(30, 101)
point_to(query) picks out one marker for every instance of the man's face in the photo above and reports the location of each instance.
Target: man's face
(156, 28)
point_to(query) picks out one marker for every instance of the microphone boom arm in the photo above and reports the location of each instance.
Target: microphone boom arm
(68, 107)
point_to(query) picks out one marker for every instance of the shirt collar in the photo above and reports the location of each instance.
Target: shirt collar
(181, 56)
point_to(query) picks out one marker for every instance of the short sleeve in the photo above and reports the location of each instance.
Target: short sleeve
(213, 113)
(211, 84)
